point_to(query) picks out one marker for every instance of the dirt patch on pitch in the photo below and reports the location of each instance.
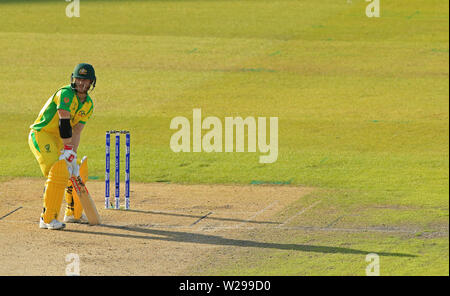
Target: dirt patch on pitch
(167, 229)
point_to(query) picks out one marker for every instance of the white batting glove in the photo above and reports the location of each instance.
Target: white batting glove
(70, 157)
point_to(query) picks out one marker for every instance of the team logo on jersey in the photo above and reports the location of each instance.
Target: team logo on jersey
(82, 113)
(66, 100)
(82, 71)
(47, 148)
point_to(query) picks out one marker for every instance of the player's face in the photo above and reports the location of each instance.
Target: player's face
(82, 85)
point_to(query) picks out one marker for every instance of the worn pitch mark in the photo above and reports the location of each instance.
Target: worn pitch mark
(288, 228)
(357, 230)
(201, 219)
(326, 229)
(10, 213)
(293, 228)
(298, 214)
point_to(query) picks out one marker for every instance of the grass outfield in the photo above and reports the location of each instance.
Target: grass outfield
(362, 105)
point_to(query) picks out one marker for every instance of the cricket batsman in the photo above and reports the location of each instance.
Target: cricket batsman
(54, 139)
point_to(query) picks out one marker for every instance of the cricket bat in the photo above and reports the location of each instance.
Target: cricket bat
(86, 200)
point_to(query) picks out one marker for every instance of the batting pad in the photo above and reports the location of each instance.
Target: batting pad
(54, 190)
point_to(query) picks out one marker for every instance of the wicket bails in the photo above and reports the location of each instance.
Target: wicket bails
(117, 169)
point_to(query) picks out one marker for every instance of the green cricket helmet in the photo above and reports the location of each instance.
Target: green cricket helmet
(84, 71)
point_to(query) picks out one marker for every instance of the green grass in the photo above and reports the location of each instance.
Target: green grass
(362, 103)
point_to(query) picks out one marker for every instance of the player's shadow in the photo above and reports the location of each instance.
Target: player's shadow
(206, 239)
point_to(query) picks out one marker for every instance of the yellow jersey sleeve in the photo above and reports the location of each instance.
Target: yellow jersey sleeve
(64, 99)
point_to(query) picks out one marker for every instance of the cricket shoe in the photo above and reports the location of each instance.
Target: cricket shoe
(53, 225)
(71, 219)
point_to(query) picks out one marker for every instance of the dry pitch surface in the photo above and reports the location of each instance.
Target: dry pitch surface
(167, 231)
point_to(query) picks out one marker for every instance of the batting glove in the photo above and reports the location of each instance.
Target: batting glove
(70, 157)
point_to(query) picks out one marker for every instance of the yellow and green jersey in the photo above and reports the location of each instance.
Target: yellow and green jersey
(66, 99)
